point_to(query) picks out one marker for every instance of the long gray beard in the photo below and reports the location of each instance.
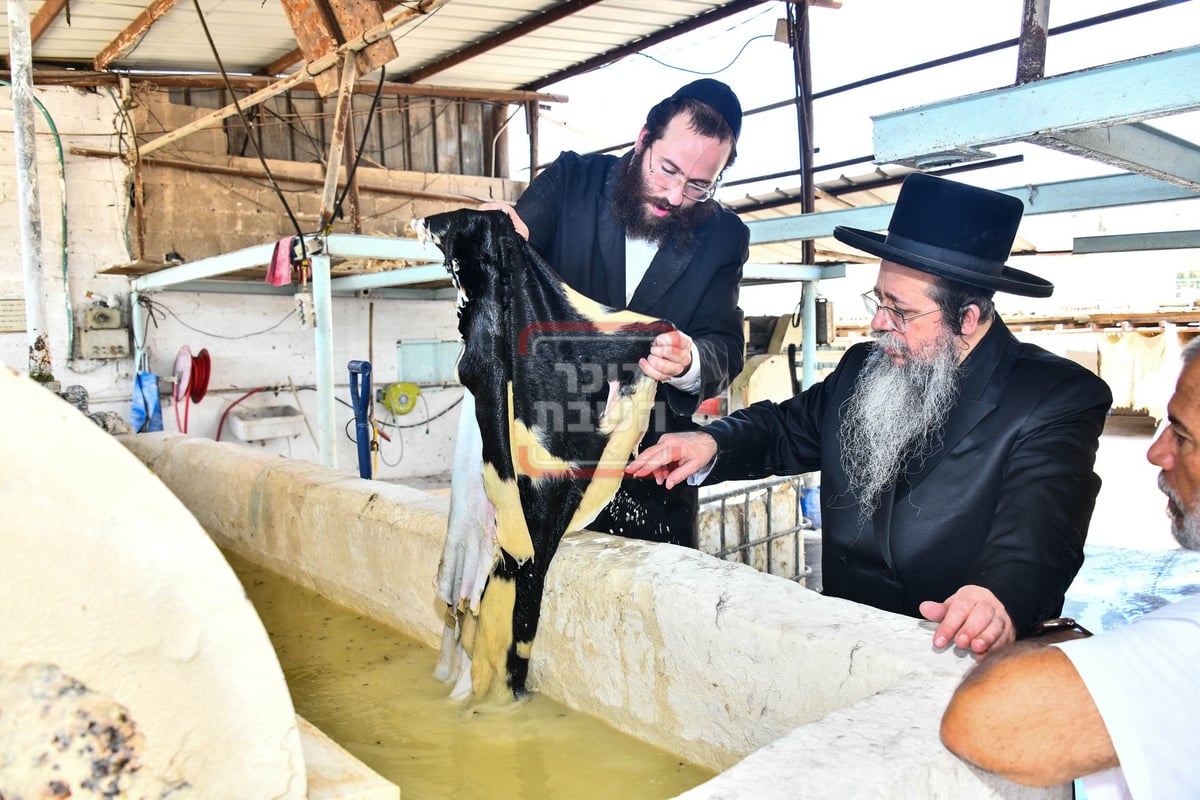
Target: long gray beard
(895, 415)
(1185, 522)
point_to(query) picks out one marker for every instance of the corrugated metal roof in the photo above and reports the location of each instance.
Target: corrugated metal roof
(249, 35)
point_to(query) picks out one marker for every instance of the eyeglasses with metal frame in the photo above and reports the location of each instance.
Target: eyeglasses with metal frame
(897, 317)
(666, 177)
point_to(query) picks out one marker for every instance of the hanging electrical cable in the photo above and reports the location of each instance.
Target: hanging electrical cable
(249, 130)
(337, 206)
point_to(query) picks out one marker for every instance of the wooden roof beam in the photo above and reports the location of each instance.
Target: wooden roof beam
(310, 71)
(132, 33)
(282, 64)
(322, 27)
(255, 82)
(45, 18)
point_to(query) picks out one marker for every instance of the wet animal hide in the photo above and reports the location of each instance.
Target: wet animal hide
(560, 404)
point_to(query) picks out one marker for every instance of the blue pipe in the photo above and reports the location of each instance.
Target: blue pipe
(360, 398)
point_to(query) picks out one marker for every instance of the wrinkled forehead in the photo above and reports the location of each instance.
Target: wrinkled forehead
(1184, 406)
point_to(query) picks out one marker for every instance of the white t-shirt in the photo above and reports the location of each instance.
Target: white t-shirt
(638, 255)
(1145, 680)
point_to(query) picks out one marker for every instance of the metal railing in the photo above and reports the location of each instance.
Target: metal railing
(760, 524)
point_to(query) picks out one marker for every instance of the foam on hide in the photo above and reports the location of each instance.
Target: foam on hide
(560, 402)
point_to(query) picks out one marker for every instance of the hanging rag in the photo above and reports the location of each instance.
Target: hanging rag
(279, 273)
(146, 414)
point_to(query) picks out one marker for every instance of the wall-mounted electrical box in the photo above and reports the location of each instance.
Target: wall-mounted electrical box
(102, 318)
(104, 343)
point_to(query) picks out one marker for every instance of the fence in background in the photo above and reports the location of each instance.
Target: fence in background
(763, 524)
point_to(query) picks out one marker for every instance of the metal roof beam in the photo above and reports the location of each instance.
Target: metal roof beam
(1137, 242)
(1046, 198)
(949, 130)
(1136, 147)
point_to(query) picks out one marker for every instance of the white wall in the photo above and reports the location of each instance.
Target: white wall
(234, 328)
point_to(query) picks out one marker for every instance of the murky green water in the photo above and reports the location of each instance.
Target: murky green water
(371, 689)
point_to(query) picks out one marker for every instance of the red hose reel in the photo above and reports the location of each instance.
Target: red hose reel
(191, 381)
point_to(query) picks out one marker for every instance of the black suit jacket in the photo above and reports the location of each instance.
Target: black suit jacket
(569, 213)
(1004, 503)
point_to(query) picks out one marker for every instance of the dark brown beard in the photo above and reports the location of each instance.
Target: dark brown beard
(629, 199)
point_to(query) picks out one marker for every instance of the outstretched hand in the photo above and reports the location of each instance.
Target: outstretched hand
(674, 457)
(971, 619)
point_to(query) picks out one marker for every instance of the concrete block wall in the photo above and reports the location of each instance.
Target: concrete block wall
(97, 201)
(790, 693)
(250, 343)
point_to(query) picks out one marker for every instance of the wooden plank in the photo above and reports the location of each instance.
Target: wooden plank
(313, 32)
(393, 133)
(337, 139)
(282, 64)
(447, 125)
(421, 136)
(473, 140)
(354, 17)
(84, 78)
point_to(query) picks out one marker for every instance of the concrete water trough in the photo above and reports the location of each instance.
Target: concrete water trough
(783, 692)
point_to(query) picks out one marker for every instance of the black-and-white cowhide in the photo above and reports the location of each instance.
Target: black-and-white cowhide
(560, 404)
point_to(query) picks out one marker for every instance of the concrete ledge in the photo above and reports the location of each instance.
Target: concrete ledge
(711, 659)
(720, 664)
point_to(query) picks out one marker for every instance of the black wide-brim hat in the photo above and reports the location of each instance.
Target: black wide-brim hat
(955, 231)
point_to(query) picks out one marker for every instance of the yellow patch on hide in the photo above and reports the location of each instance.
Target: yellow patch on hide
(631, 420)
(512, 533)
(597, 312)
(469, 625)
(493, 636)
(531, 458)
(524, 649)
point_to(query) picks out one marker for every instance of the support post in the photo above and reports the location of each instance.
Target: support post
(1031, 49)
(29, 202)
(323, 336)
(808, 335)
(337, 141)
